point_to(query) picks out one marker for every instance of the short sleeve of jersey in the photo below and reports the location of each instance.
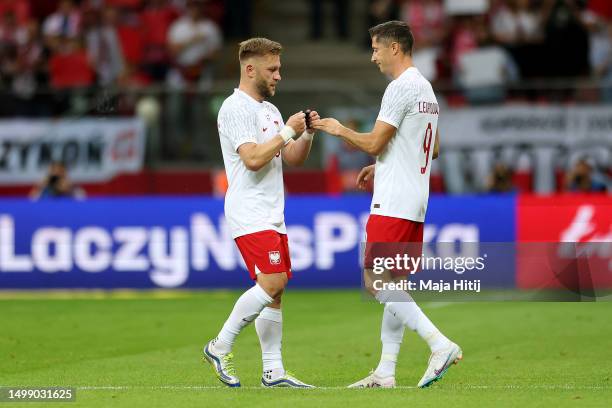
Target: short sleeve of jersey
(239, 126)
(395, 104)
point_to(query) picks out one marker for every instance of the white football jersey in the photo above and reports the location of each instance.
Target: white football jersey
(401, 182)
(255, 200)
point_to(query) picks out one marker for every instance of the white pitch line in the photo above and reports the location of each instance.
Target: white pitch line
(437, 305)
(467, 387)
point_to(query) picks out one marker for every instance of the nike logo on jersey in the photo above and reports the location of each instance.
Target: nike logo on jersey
(264, 129)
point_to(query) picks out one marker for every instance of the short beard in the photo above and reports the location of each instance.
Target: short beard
(263, 89)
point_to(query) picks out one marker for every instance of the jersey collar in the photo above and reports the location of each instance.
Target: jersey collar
(409, 69)
(246, 96)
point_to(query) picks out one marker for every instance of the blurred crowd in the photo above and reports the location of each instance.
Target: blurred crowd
(61, 45)
(484, 45)
(53, 51)
(542, 48)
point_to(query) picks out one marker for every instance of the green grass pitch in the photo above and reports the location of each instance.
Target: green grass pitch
(144, 349)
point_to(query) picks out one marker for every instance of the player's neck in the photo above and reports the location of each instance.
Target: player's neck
(401, 67)
(251, 91)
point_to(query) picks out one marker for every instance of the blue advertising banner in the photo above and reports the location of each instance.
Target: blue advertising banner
(185, 242)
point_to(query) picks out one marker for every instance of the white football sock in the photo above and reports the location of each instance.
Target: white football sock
(405, 309)
(269, 327)
(246, 309)
(391, 335)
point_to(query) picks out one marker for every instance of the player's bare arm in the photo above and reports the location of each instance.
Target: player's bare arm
(436, 151)
(296, 152)
(257, 155)
(373, 143)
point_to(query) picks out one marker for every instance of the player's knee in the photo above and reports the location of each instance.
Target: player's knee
(274, 285)
(274, 291)
(276, 303)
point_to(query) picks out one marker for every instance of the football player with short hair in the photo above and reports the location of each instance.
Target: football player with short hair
(254, 142)
(405, 140)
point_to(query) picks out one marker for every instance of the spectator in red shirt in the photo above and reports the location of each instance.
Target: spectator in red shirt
(426, 19)
(156, 19)
(70, 67)
(125, 4)
(20, 8)
(603, 8)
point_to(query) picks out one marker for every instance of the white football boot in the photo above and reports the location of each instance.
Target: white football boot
(374, 381)
(439, 363)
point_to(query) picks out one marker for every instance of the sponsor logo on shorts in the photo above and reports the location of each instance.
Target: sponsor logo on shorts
(275, 258)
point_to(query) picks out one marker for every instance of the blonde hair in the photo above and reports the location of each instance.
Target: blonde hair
(258, 47)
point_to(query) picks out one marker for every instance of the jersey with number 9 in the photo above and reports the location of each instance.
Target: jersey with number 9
(401, 184)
